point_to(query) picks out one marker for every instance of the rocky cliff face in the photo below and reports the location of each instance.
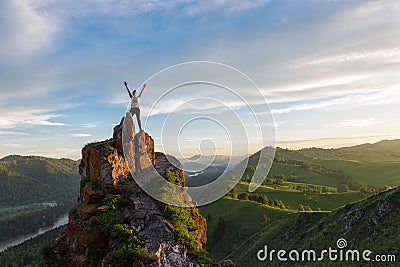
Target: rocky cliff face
(115, 223)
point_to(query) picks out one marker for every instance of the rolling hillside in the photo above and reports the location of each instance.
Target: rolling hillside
(369, 164)
(321, 183)
(373, 224)
(231, 222)
(34, 192)
(35, 179)
(377, 165)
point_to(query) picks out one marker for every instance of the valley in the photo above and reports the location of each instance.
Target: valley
(310, 196)
(312, 181)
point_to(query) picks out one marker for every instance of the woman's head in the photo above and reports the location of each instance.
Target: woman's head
(134, 92)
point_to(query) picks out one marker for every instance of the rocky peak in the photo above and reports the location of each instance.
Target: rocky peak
(115, 220)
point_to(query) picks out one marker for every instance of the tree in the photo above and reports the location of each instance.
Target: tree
(219, 229)
(243, 196)
(263, 200)
(385, 188)
(343, 188)
(264, 220)
(246, 178)
(368, 189)
(233, 193)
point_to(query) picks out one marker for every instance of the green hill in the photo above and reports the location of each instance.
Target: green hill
(230, 222)
(385, 150)
(313, 179)
(371, 224)
(36, 179)
(292, 198)
(34, 192)
(368, 164)
(375, 165)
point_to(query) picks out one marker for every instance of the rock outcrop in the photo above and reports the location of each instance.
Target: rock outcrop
(109, 198)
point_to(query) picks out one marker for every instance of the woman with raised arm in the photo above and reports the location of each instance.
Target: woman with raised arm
(135, 103)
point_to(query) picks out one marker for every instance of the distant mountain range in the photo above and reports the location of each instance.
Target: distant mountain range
(362, 163)
(200, 162)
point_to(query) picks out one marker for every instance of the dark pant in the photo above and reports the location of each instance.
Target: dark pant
(136, 111)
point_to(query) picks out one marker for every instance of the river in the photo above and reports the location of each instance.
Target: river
(62, 220)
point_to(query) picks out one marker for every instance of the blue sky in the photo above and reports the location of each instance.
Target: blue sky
(328, 69)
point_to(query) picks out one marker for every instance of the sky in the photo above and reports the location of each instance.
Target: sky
(327, 73)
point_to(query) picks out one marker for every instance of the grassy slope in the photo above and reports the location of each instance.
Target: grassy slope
(325, 202)
(303, 176)
(243, 220)
(368, 173)
(366, 168)
(319, 231)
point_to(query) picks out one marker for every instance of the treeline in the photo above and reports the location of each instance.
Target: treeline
(338, 175)
(29, 252)
(31, 222)
(259, 198)
(305, 188)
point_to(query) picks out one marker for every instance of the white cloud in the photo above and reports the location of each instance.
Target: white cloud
(15, 146)
(24, 30)
(317, 82)
(23, 117)
(128, 7)
(80, 135)
(384, 96)
(192, 105)
(358, 123)
(379, 55)
(196, 7)
(10, 133)
(90, 125)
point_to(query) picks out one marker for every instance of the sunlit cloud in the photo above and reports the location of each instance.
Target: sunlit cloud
(11, 133)
(80, 135)
(388, 95)
(19, 117)
(328, 66)
(15, 145)
(359, 123)
(90, 125)
(381, 55)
